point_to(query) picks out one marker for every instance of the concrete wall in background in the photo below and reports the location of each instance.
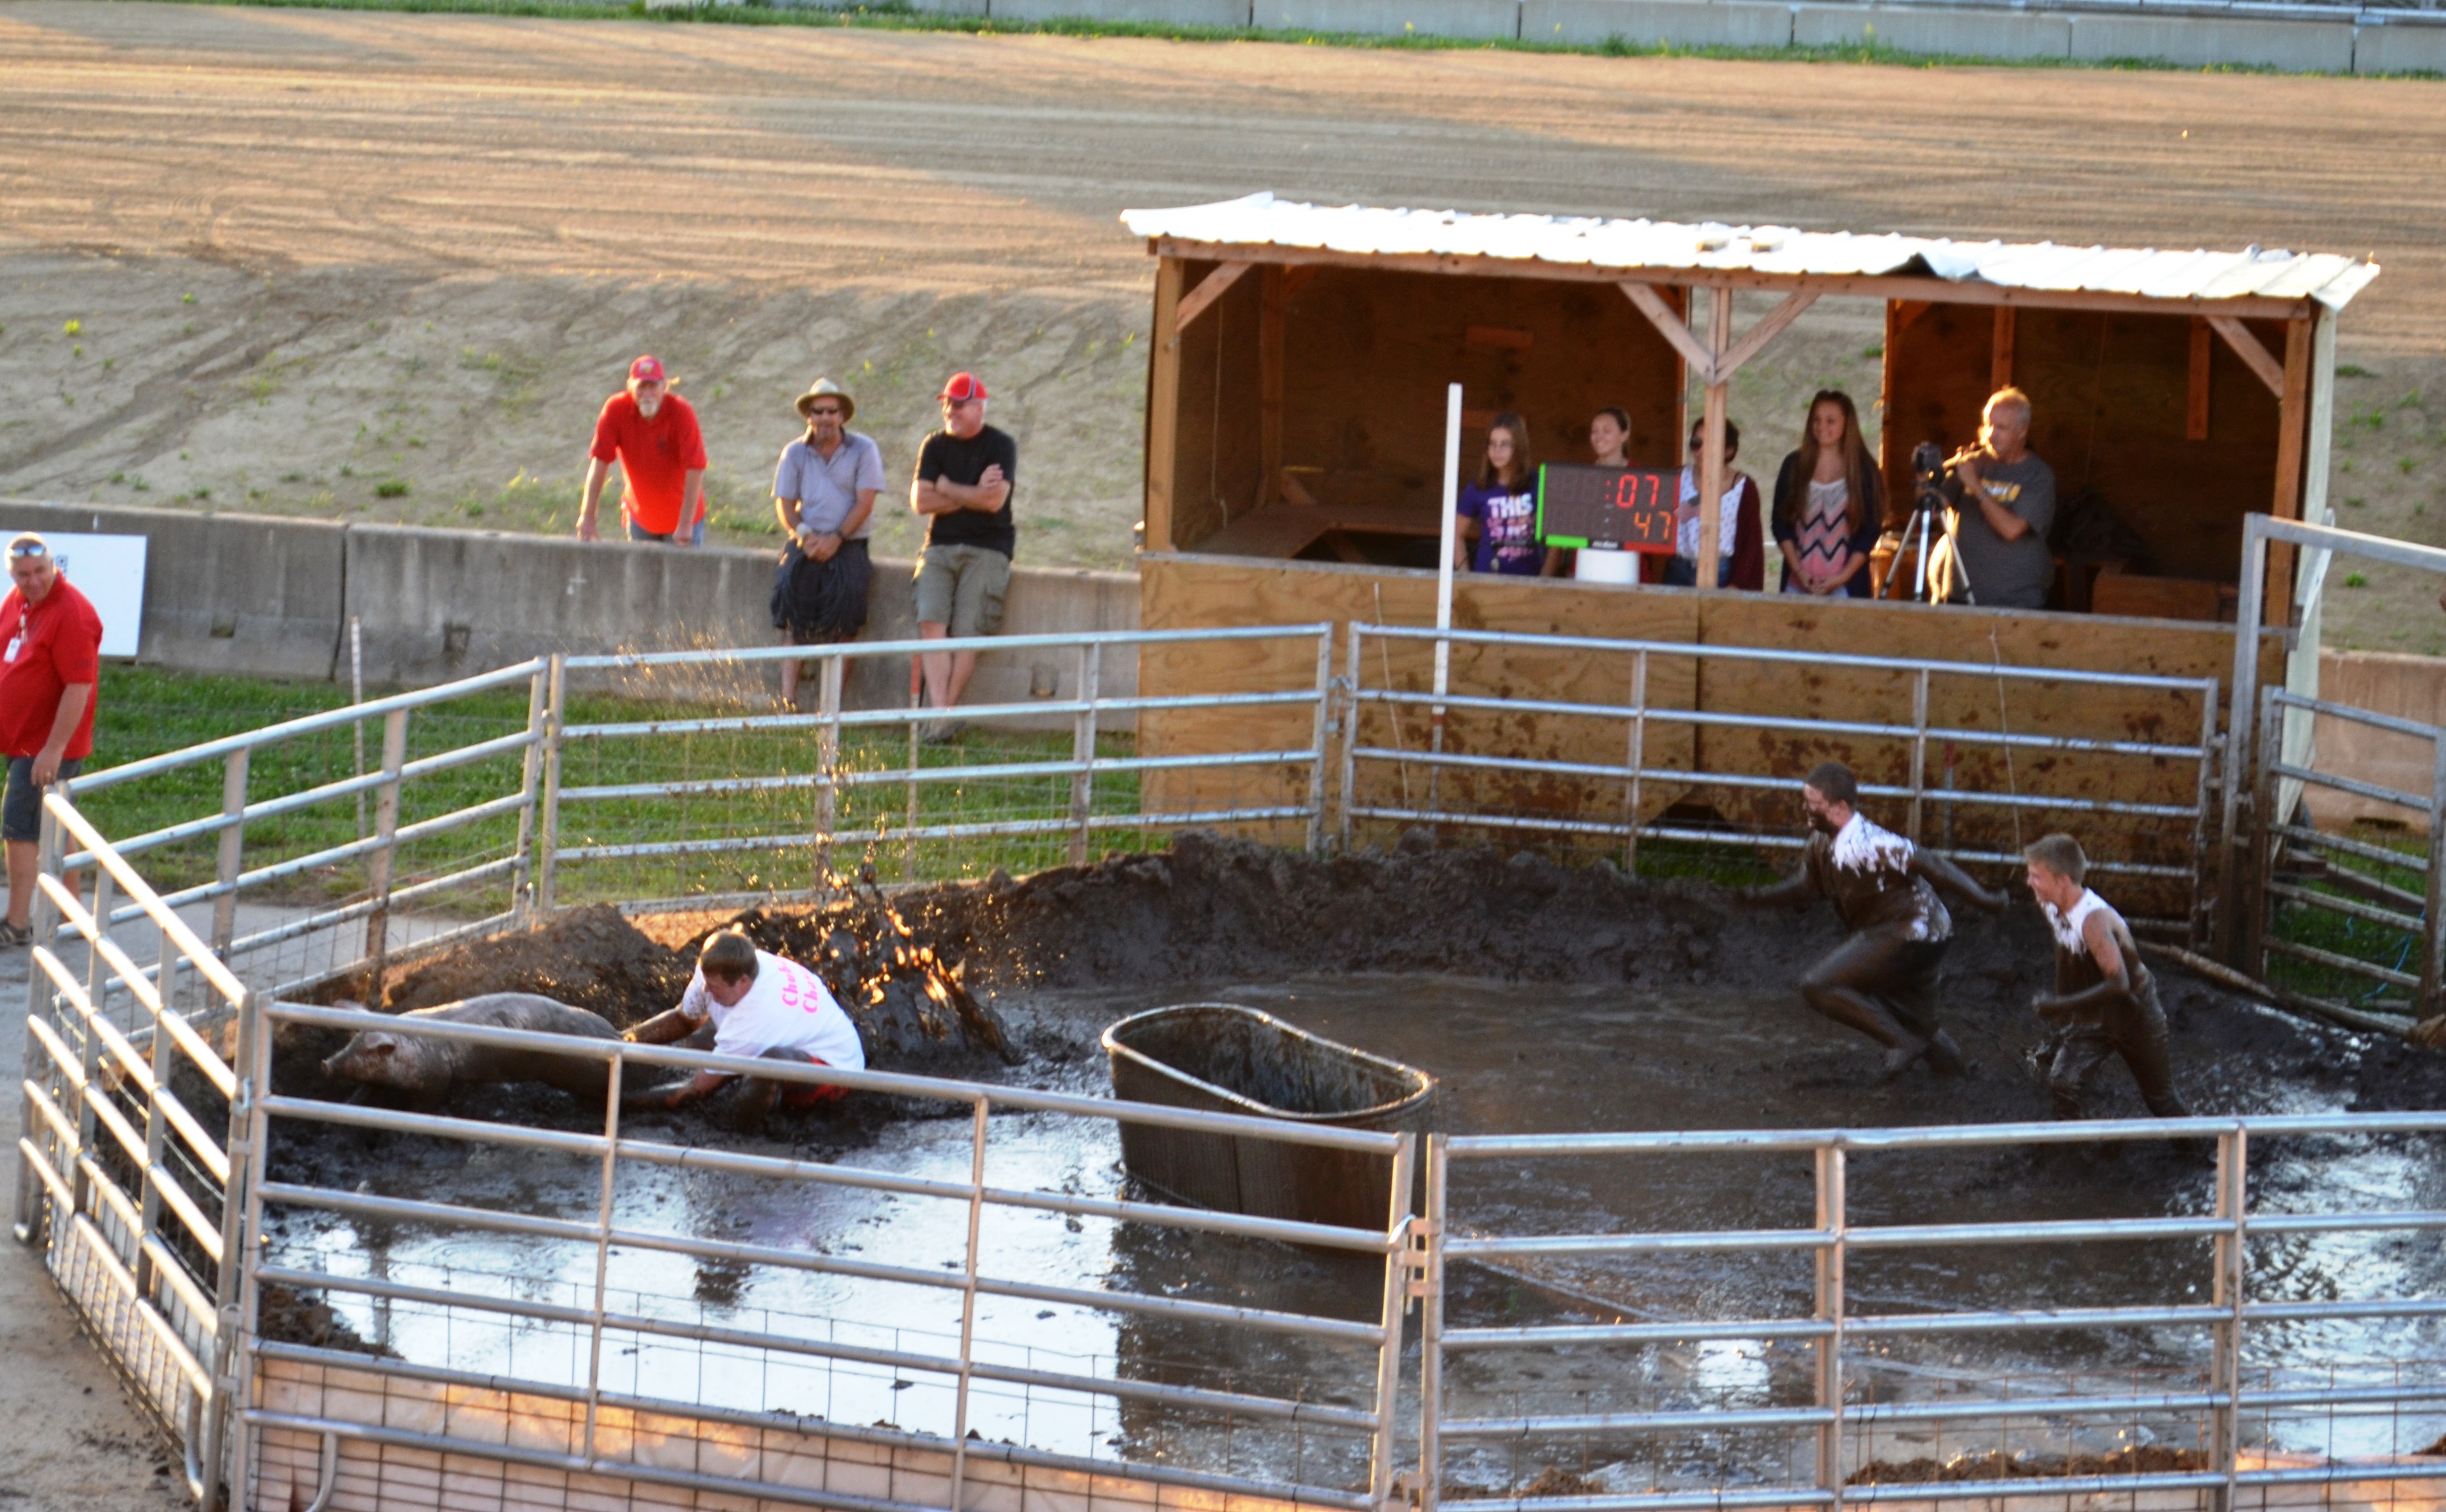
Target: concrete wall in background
(2295, 39)
(260, 596)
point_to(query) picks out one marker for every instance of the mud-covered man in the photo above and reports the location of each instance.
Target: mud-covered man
(1883, 980)
(757, 1005)
(2105, 1001)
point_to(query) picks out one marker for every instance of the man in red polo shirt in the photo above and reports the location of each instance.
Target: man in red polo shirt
(652, 433)
(47, 679)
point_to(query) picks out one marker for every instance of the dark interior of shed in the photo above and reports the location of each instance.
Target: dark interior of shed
(1310, 417)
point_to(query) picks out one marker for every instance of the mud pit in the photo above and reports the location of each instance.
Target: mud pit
(1546, 999)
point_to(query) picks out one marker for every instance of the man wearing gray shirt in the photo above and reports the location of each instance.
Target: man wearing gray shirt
(824, 491)
(2007, 502)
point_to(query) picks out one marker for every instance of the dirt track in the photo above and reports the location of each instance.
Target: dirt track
(420, 246)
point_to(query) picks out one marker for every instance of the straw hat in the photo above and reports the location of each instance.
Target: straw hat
(826, 388)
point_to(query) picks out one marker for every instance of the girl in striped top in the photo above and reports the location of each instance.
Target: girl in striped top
(1828, 502)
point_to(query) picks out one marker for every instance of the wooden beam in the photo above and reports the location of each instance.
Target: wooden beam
(1296, 277)
(2000, 355)
(1670, 325)
(1211, 288)
(2255, 356)
(2195, 415)
(1270, 383)
(1711, 465)
(2292, 438)
(1768, 327)
(1862, 286)
(1163, 409)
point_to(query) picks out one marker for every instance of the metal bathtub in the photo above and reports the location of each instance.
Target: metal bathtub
(1224, 1059)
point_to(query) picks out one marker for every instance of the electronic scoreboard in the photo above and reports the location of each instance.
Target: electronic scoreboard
(1626, 508)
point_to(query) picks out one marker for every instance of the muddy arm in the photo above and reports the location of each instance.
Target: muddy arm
(1952, 878)
(671, 1024)
(2112, 992)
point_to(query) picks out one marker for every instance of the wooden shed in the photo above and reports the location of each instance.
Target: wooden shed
(1295, 414)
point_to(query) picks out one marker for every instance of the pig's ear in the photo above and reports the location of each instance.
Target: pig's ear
(380, 1044)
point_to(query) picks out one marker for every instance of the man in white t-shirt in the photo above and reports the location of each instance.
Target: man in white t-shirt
(759, 1006)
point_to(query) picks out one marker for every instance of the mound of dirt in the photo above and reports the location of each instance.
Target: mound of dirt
(588, 957)
(2148, 1459)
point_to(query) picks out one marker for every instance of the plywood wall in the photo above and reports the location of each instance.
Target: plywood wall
(1366, 356)
(2112, 401)
(1183, 591)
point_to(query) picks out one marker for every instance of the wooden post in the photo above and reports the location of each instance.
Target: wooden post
(1711, 469)
(2196, 416)
(384, 863)
(2000, 360)
(2292, 439)
(1271, 297)
(1164, 404)
(231, 859)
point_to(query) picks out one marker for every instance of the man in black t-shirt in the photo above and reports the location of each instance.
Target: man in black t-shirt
(965, 472)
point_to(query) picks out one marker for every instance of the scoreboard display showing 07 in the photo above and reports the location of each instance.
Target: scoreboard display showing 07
(1626, 508)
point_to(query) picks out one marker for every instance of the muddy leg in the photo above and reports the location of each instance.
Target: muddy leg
(1854, 986)
(2077, 1059)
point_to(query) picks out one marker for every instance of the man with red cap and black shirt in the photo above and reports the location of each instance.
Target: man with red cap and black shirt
(47, 680)
(652, 433)
(965, 473)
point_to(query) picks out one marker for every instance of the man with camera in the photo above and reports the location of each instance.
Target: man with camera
(2002, 499)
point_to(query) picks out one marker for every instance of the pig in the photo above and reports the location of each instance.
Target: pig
(427, 1068)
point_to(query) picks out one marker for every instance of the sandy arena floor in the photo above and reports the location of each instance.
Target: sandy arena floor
(419, 247)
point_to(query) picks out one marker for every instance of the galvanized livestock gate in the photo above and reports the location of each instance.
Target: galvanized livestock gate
(148, 1102)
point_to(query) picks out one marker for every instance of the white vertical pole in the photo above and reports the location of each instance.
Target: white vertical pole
(1444, 570)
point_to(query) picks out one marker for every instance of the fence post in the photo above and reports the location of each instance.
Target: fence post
(828, 703)
(1919, 752)
(1320, 735)
(30, 1186)
(529, 783)
(1631, 801)
(228, 1317)
(1083, 747)
(1431, 1329)
(233, 853)
(1350, 794)
(1397, 1306)
(1831, 1222)
(2203, 879)
(2241, 710)
(547, 865)
(603, 1245)
(2259, 840)
(2231, 1259)
(248, 1256)
(2433, 943)
(969, 1300)
(383, 864)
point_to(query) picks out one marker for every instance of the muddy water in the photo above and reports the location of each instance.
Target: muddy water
(1514, 1058)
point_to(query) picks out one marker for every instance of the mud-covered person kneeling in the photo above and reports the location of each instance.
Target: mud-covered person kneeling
(757, 1006)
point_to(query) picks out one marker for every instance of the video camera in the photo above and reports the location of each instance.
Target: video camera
(1937, 486)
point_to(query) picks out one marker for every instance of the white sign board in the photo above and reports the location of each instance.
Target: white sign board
(109, 571)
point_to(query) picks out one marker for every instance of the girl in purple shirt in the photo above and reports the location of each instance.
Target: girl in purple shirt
(1497, 529)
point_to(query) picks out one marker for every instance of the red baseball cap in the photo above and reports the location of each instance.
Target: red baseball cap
(963, 387)
(645, 370)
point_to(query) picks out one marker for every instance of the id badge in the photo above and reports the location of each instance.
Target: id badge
(14, 641)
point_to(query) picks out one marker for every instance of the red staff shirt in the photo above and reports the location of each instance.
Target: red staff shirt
(49, 646)
(654, 454)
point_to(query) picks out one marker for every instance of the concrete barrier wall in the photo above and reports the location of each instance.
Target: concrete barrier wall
(2350, 42)
(261, 596)
(2410, 688)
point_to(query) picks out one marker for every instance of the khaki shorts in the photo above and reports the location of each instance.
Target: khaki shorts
(962, 587)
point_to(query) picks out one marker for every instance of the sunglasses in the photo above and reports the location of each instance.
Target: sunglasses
(830, 411)
(27, 548)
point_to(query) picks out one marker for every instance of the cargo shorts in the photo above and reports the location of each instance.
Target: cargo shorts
(963, 587)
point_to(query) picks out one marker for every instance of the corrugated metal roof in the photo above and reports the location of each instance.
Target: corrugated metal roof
(1589, 241)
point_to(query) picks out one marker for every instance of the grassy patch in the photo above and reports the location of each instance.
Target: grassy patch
(747, 774)
(2359, 939)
